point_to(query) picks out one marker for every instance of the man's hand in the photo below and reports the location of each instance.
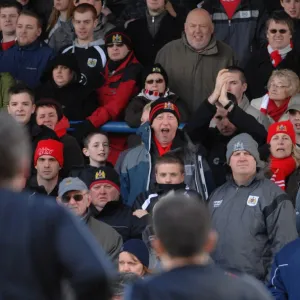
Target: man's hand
(222, 77)
(170, 9)
(140, 213)
(223, 99)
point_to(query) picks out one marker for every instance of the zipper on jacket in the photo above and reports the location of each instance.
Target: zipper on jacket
(152, 19)
(229, 22)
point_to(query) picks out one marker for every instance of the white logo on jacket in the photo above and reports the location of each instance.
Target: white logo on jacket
(92, 62)
(252, 200)
(217, 203)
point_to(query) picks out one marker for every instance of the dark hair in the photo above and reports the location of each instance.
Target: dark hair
(48, 102)
(32, 14)
(170, 158)
(87, 139)
(280, 16)
(14, 4)
(236, 69)
(20, 88)
(182, 224)
(85, 7)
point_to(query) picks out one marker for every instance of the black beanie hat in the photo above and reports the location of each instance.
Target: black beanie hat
(156, 68)
(117, 35)
(162, 105)
(104, 174)
(67, 60)
(50, 102)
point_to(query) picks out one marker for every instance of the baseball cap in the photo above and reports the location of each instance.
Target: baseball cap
(71, 184)
(294, 103)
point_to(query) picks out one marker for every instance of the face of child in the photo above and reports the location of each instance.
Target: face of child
(97, 150)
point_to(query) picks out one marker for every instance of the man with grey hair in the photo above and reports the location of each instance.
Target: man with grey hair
(184, 241)
(195, 60)
(40, 241)
(74, 194)
(253, 217)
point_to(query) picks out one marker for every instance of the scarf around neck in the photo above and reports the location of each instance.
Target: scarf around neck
(268, 107)
(281, 168)
(278, 56)
(152, 96)
(161, 150)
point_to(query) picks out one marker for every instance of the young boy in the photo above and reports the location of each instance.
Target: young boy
(96, 148)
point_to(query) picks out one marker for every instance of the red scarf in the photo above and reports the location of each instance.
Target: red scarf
(276, 112)
(161, 150)
(278, 55)
(281, 169)
(61, 127)
(230, 7)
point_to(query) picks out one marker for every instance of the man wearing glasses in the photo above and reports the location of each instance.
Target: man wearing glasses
(74, 194)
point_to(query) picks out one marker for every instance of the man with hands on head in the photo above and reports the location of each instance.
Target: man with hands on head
(230, 120)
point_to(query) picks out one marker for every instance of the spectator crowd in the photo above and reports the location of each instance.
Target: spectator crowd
(201, 200)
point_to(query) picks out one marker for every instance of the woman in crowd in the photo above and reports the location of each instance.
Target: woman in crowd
(278, 54)
(155, 81)
(61, 82)
(60, 28)
(134, 258)
(282, 85)
(49, 113)
(121, 75)
(285, 157)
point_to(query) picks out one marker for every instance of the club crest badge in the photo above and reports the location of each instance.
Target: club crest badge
(169, 105)
(252, 200)
(239, 146)
(100, 175)
(92, 62)
(117, 38)
(281, 128)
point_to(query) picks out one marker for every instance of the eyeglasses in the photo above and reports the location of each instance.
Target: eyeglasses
(151, 81)
(280, 87)
(76, 197)
(281, 31)
(119, 45)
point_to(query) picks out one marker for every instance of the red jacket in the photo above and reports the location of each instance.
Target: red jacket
(116, 92)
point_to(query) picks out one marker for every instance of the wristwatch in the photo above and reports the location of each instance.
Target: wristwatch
(228, 105)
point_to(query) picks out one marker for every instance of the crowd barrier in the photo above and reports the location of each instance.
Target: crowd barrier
(117, 127)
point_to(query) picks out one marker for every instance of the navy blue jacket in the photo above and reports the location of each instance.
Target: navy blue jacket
(42, 243)
(284, 280)
(197, 282)
(26, 63)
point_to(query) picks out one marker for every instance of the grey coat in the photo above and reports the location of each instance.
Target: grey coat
(108, 238)
(253, 223)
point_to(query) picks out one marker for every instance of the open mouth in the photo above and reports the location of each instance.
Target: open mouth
(165, 131)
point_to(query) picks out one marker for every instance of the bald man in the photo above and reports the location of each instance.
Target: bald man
(193, 62)
(239, 23)
(150, 33)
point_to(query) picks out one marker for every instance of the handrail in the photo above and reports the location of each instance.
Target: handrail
(117, 127)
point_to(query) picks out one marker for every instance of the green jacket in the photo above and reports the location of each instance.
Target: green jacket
(6, 81)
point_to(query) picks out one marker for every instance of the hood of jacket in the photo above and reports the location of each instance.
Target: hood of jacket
(210, 49)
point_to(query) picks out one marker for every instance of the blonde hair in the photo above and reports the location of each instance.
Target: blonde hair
(147, 107)
(55, 15)
(290, 76)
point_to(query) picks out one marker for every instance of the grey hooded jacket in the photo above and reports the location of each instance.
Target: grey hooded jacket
(253, 223)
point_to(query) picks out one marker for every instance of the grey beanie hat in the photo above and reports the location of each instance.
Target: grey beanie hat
(243, 142)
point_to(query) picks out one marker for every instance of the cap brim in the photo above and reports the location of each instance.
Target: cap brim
(293, 107)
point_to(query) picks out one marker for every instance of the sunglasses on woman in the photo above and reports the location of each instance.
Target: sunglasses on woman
(151, 81)
(281, 31)
(119, 45)
(76, 197)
